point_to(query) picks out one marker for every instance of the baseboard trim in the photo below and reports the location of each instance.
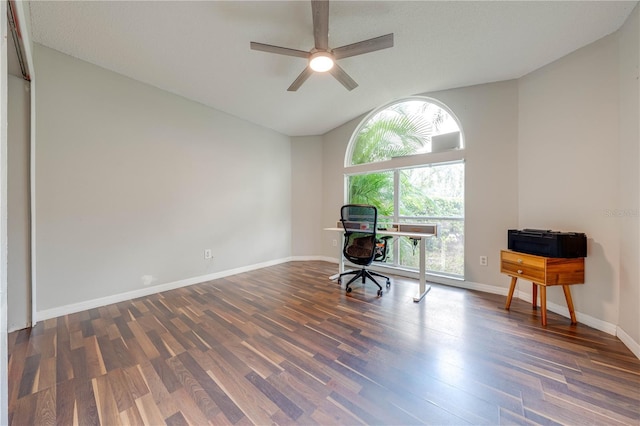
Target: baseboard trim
(15, 327)
(470, 285)
(121, 297)
(564, 311)
(314, 258)
(628, 341)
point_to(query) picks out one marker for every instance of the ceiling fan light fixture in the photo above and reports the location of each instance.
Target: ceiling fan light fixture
(321, 61)
(321, 58)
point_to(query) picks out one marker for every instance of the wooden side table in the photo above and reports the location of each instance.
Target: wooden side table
(542, 271)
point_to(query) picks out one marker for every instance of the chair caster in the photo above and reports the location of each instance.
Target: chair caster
(388, 283)
(379, 293)
(348, 290)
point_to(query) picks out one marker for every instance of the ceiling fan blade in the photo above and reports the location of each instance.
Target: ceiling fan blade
(366, 46)
(343, 77)
(320, 11)
(279, 50)
(304, 75)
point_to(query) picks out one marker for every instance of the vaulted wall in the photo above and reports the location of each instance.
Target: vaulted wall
(132, 184)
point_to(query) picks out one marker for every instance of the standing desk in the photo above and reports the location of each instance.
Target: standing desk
(421, 236)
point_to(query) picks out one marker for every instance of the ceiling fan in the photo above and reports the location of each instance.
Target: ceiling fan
(321, 58)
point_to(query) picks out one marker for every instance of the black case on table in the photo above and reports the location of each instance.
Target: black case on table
(548, 243)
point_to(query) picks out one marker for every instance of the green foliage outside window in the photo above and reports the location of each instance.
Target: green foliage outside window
(375, 189)
(402, 129)
(435, 194)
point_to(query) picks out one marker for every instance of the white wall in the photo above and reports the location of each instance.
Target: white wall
(132, 181)
(333, 150)
(568, 162)
(488, 114)
(629, 197)
(306, 195)
(18, 195)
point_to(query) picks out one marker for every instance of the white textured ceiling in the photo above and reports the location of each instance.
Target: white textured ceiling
(200, 50)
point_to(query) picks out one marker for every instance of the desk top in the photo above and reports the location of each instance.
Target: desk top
(416, 235)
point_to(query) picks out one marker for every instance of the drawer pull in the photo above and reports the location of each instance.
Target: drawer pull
(519, 271)
(519, 260)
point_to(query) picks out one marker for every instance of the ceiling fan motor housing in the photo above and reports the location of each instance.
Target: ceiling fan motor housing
(321, 58)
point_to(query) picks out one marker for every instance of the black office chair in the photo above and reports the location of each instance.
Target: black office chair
(361, 246)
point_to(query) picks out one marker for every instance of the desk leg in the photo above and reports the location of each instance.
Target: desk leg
(567, 295)
(543, 303)
(424, 288)
(534, 295)
(512, 287)
(340, 261)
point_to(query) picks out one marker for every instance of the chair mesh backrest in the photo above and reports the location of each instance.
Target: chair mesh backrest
(359, 222)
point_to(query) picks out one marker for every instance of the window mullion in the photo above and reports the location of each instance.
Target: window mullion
(396, 194)
(396, 211)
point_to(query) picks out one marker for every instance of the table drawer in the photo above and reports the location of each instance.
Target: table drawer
(528, 260)
(529, 267)
(528, 272)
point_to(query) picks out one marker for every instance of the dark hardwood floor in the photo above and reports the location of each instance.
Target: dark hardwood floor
(284, 345)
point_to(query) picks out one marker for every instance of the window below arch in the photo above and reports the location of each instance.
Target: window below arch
(407, 160)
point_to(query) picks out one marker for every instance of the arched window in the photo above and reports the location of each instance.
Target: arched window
(407, 159)
(407, 127)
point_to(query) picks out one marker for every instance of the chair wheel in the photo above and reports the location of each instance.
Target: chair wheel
(379, 293)
(388, 283)
(348, 290)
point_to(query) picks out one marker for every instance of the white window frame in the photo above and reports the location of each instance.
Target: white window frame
(396, 164)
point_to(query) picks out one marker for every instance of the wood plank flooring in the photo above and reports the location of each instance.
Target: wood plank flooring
(284, 345)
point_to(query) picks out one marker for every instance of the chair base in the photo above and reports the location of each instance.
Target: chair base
(364, 274)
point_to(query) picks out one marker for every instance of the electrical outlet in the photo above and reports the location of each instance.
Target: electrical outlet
(335, 243)
(208, 254)
(483, 261)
